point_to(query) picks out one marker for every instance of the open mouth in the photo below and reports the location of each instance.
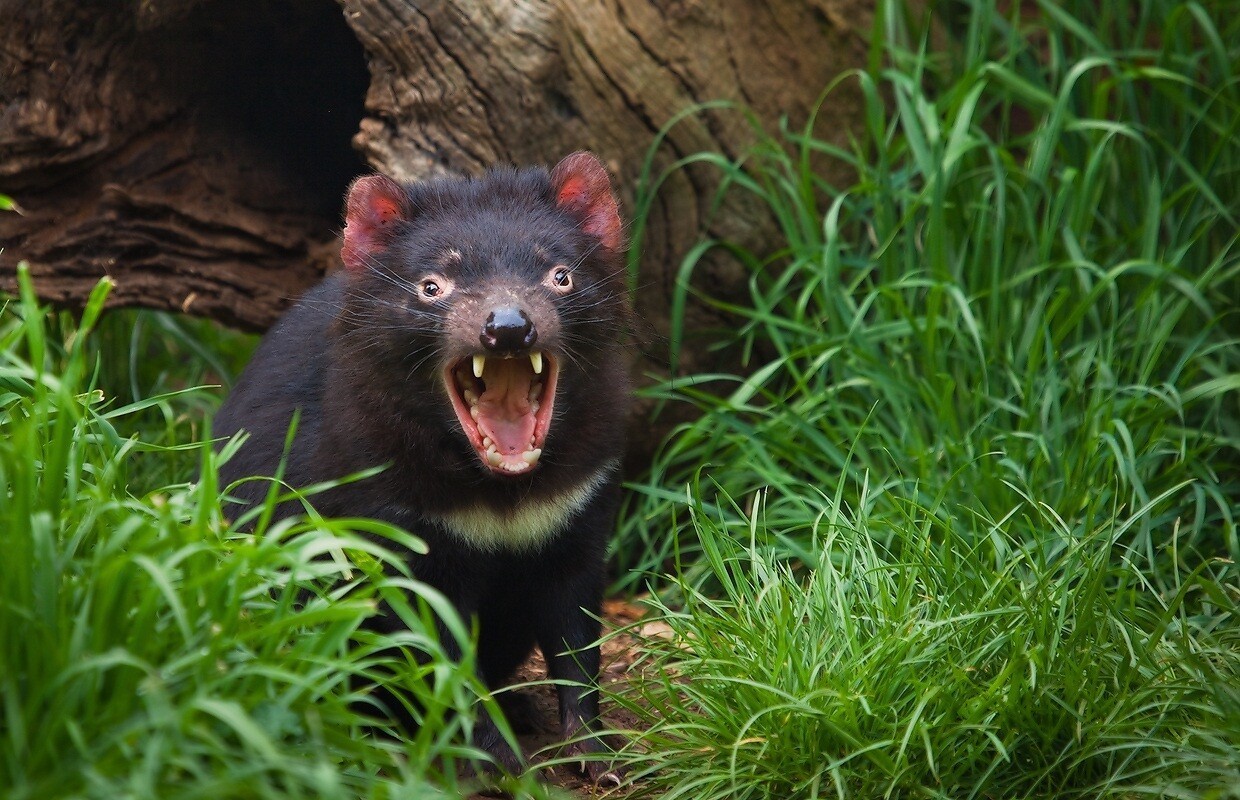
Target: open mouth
(504, 405)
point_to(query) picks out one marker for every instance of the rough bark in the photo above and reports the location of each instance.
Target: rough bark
(163, 149)
(196, 150)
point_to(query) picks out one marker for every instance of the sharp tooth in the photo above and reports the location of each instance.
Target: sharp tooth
(480, 361)
(494, 458)
(536, 361)
(531, 456)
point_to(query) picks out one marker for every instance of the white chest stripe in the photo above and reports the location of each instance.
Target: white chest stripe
(530, 523)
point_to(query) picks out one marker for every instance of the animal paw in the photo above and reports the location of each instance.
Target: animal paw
(595, 764)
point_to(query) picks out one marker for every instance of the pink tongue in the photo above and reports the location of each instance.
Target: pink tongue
(504, 412)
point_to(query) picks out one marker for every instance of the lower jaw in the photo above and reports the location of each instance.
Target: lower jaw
(511, 468)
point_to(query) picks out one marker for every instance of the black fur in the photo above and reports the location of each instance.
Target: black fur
(362, 358)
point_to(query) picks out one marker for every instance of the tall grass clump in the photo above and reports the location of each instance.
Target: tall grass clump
(149, 360)
(163, 369)
(160, 367)
(936, 672)
(150, 648)
(1009, 354)
(1032, 283)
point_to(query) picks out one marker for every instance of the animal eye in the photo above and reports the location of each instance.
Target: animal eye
(562, 278)
(434, 287)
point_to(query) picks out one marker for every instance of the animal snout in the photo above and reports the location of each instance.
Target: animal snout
(508, 329)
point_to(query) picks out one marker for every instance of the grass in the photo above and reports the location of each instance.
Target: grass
(161, 367)
(967, 528)
(149, 647)
(979, 304)
(863, 673)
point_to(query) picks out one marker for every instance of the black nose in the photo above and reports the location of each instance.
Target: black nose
(508, 329)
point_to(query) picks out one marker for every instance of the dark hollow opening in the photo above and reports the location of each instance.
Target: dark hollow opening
(274, 90)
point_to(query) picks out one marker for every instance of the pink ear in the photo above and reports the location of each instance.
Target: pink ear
(583, 189)
(374, 203)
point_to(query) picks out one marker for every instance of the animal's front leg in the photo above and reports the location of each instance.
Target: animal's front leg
(485, 734)
(568, 637)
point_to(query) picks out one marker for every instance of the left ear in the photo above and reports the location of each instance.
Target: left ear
(583, 189)
(373, 207)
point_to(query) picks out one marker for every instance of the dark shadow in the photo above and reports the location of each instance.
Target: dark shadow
(275, 90)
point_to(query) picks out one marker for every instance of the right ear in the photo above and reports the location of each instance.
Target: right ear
(582, 188)
(375, 204)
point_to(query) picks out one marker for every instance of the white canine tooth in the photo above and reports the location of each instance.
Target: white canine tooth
(536, 361)
(531, 456)
(480, 361)
(494, 458)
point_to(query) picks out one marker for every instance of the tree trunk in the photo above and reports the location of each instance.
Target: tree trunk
(197, 150)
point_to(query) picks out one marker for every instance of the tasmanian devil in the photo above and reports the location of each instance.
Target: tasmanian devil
(474, 345)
